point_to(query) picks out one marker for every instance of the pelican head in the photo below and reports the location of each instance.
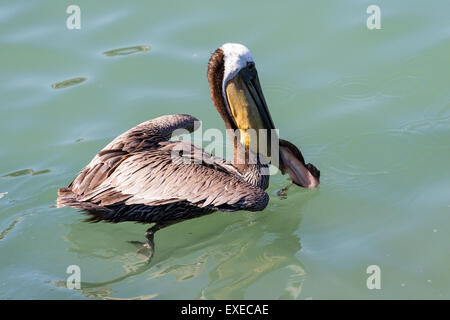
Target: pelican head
(237, 95)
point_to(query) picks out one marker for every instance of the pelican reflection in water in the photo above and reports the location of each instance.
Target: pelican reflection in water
(135, 177)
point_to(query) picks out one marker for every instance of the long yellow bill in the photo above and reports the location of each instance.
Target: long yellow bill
(249, 111)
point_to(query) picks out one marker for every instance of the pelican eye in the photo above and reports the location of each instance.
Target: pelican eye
(250, 65)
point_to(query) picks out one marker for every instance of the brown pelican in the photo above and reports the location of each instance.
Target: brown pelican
(135, 177)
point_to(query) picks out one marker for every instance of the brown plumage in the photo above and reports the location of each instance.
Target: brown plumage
(137, 178)
(141, 175)
(134, 178)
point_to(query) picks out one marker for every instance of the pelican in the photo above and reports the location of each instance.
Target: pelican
(135, 177)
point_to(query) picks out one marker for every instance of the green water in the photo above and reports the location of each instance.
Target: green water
(370, 108)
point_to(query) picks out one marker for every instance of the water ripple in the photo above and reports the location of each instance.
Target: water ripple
(365, 88)
(24, 172)
(4, 233)
(126, 51)
(354, 88)
(68, 83)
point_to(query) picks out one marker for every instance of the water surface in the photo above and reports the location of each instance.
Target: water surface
(370, 108)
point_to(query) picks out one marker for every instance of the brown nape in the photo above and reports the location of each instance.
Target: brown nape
(216, 69)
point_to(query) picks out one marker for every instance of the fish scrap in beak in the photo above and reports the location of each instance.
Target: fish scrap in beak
(292, 163)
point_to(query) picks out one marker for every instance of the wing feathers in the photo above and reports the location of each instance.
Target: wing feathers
(170, 182)
(139, 167)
